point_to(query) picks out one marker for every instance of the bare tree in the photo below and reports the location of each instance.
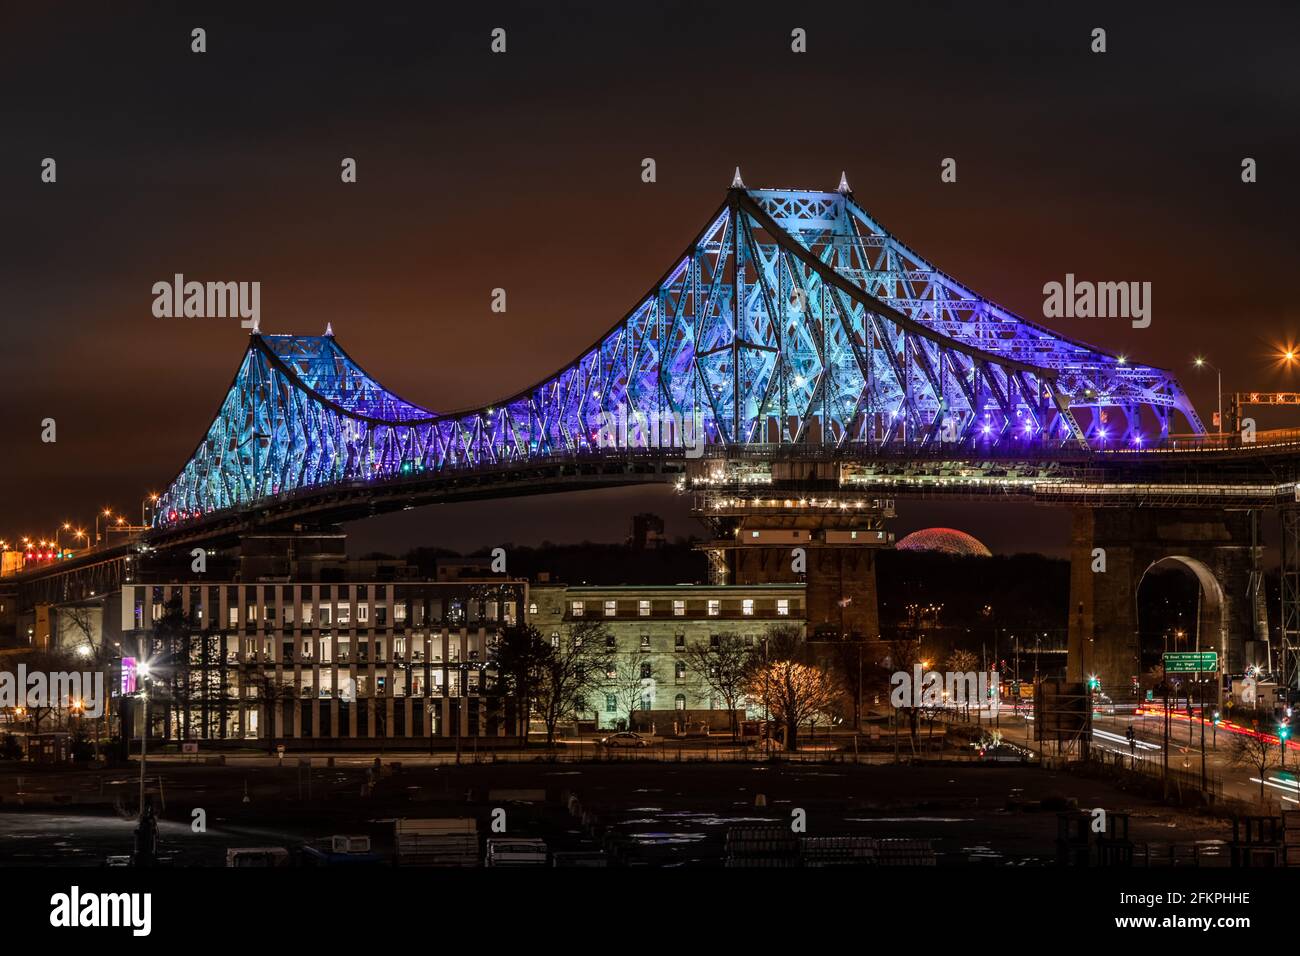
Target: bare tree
(575, 668)
(791, 691)
(521, 656)
(724, 665)
(90, 646)
(962, 662)
(629, 675)
(264, 690)
(48, 662)
(1255, 751)
(904, 655)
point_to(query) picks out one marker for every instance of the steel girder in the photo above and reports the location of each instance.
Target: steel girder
(793, 318)
(842, 234)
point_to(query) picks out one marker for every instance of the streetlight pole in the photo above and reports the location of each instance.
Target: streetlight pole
(106, 513)
(143, 672)
(1201, 363)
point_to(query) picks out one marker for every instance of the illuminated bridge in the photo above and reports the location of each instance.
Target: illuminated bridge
(795, 369)
(793, 321)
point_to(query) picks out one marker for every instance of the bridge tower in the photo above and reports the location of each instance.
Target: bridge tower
(1112, 549)
(797, 523)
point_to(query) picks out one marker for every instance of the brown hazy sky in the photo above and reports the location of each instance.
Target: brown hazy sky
(523, 171)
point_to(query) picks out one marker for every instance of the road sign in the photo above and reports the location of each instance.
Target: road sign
(1191, 662)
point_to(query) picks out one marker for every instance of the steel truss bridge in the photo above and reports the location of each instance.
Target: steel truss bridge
(795, 370)
(794, 324)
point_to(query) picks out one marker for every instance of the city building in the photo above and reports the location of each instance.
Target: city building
(651, 630)
(311, 664)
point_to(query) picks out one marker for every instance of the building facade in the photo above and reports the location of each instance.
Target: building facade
(345, 663)
(650, 631)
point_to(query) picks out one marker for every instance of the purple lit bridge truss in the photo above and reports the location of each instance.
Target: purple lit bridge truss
(793, 321)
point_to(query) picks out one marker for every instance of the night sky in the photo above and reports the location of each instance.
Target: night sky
(522, 171)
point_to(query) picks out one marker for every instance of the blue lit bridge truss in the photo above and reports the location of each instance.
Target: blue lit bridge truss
(793, 319)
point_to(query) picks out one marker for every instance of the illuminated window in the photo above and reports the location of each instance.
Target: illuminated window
(645, 642)
(611, 608)
(532, 607)
(679, 642)
(679, 608)
(643, 608)
(680, 701)
(576, 608)
(782, 607)
(680, 670)
(611, 704)
(747, 607)
(715, 607)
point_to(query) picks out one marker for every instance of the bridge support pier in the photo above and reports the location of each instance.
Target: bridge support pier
(1111, 551)
(839, 585)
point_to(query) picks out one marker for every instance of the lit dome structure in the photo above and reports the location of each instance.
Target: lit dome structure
(945, 541)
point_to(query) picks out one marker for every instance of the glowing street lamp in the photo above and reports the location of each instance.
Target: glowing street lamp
(106, 513)
(1201, 363)
(152, 499)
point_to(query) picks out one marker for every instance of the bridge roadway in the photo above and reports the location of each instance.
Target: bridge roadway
(1197, 471)
(1210, 471)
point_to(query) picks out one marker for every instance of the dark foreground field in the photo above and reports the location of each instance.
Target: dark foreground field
(664, 814)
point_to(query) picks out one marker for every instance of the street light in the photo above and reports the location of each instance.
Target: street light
(106, 513)
(1201, 363)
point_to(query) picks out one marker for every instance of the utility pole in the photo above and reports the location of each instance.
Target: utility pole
(1202, 688)
(1165, 770)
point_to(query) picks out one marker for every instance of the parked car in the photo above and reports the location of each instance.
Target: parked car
(626, 739)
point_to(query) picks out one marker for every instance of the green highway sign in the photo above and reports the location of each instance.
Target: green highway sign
(1191, 662)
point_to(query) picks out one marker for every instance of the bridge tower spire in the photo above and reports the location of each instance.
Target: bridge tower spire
(736, 181)
(843, 188)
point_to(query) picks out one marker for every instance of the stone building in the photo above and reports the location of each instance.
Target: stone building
(650, 629)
